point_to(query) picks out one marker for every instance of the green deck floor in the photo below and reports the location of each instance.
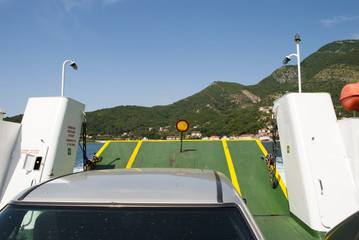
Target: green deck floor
(116, 155)
(195, 154)
(253, 179)
(269, 207)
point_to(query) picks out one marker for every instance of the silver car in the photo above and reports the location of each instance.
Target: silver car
(130, 204)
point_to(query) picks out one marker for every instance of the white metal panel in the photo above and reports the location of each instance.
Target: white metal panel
(55, 121)
(25, 175)
(9, 139)
(315, 160)
(301, 202)
(50, 133)
(349, 129)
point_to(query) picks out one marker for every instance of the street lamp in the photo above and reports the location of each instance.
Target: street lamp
(287, 59)
(74, 66)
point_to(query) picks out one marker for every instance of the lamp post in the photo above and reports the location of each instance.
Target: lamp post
(287, 59)
(74, 66)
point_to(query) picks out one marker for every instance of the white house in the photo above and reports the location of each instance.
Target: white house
(196, 134)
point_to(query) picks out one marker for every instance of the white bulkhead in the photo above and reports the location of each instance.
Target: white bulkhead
(319, 179)
(9, 144)
(49, 135)
(349, 128)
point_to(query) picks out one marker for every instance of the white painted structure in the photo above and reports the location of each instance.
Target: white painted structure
(43, 146)
(319, 154)
(2, 112)
(10, 144)
(349, 129)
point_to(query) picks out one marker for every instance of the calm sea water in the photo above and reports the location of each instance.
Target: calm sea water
(95, 147)
(91, 149)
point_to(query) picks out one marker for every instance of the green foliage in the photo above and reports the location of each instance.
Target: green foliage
(15, 119)
(238, 122)
(339, 52)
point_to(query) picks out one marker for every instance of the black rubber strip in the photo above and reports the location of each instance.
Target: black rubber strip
(219, 188)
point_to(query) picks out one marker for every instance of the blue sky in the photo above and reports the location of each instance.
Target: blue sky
(155, 52)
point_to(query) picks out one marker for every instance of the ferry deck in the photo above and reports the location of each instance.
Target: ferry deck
(240, 160)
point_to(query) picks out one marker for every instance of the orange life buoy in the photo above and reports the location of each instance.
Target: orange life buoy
(350, 97)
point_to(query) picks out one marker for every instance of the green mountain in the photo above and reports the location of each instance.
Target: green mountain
(207, 110)
(326, 70)
(225, 108)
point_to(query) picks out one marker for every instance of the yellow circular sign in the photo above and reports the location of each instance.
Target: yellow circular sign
(182, 125)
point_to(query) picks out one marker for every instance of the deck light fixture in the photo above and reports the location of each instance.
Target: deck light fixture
(287, 59)
(74, 66)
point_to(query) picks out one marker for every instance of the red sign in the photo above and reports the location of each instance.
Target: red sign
(71, 139)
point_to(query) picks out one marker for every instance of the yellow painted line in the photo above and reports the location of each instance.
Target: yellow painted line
(124, 140)
(185, 140)
(242, 140)
(103, 148)
(199, 140)
(231, 167)
(281, 183)
(264, 151)
(280, 180)
(133, 156)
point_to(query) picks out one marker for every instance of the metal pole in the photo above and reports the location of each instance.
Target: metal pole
(299, 75)
(63, 80)
(181, 141)
(74, 66)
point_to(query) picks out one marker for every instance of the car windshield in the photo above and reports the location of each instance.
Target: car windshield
(74, 222)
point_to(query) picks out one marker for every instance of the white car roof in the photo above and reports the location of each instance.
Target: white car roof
(137, 186)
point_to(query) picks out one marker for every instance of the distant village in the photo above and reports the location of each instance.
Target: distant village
(263, 134)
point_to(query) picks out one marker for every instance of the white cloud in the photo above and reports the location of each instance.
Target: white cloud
(70, 5)
(356, 36)
(337, 19)
(110, 2)
(78, 4)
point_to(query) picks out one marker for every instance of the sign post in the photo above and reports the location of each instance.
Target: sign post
(182, 126)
